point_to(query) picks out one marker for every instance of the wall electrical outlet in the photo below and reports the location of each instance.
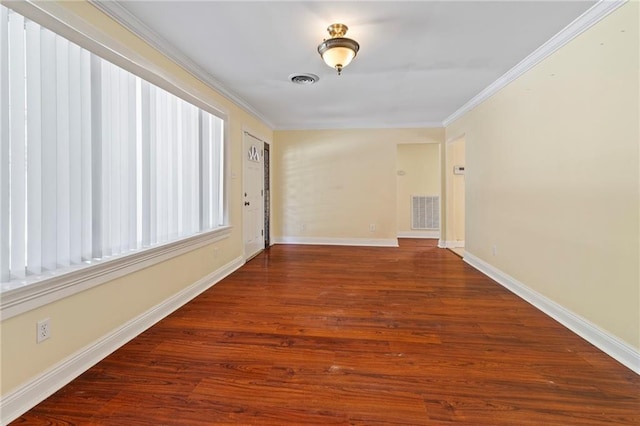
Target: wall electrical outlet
(372, 227)
(494, 250)
(43, 330)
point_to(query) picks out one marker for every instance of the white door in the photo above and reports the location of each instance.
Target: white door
(253, 196)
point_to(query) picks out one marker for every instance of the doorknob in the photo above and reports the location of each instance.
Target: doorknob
(246, 203)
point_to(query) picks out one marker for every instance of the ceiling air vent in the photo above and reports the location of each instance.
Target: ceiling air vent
(304, 79)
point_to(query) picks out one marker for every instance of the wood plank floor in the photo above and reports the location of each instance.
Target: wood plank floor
(352, 336)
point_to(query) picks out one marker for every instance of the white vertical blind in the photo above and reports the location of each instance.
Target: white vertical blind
(17, 146)
(172, 192)
(63, 153)
(95, 162)
(112, 173)
(5, 265)
(75, 155)
(205, 177)
(105, 157)
(86, 159)
(152, 160)
(122, 160)
(96, 158)
(144, 218)
(132, 166)
(190, 170)
(34, 150)
(162, 166)
(217, 171)
(49, 150)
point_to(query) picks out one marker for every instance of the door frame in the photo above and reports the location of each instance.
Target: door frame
(266, 183)
(448, 238)
(250, 132)
(428, 234)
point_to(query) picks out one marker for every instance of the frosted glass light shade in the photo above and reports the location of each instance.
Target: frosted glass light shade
(338, 56)
(338, 52)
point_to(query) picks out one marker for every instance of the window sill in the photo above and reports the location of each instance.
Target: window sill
(17, 298)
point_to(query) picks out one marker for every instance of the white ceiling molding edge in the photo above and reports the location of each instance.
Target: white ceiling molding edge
(365, 125)
(114, 10)
(592, 16)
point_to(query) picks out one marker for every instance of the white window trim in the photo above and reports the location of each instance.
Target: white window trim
(82, 277)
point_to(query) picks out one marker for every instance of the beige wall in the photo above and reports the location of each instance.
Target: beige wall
(80, 320)
(553, 176)
(420, 164)
(455, 156)
(335, 183)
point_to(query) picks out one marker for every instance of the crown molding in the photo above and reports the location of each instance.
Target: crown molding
(360, 125)
(125, 18)
(592, 16)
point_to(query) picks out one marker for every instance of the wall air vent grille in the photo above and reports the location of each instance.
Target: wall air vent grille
(425, 212)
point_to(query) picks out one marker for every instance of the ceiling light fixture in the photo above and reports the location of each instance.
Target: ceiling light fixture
(338, 51)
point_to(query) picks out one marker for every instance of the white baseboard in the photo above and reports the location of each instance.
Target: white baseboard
(606, 342)
(368, 242)
(419, 234)
(25, 397)
(451, 244)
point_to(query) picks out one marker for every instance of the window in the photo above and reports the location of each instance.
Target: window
(95, 163)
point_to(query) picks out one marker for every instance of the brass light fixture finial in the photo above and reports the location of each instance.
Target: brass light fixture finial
(338, 51)
(337, 30)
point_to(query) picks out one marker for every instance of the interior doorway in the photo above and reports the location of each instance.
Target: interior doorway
(418, 190)
(267, 196)
(253, 199)
(455, 187)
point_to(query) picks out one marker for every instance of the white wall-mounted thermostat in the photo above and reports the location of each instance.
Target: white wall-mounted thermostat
(458, 170)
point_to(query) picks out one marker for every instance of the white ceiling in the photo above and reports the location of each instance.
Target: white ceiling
(419, 61)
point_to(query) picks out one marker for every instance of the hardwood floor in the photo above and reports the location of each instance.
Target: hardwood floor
(352, 335)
